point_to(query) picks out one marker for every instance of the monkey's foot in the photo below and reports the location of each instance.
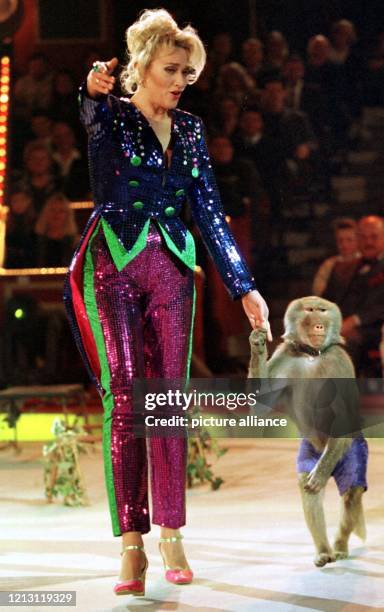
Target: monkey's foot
(323, 558)
(341, 550)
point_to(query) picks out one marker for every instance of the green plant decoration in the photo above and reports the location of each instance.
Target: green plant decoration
(199, 468)
(62, 474)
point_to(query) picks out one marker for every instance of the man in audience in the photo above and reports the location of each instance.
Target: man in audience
(252, 55)
(39, 176)
(73, 168)
(358, 289)
(327, 80)
(33, 91)
(250, 143)
(348, 251)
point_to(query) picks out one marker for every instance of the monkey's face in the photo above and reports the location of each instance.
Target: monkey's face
(313, 326)
(313, 321)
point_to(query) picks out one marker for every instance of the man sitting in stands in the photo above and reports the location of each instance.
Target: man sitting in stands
(358, 289)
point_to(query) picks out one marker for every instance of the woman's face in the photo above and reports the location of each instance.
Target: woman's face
(57, 215)
(20, 202)
(346, 240)
(39, 162)
(167, 76)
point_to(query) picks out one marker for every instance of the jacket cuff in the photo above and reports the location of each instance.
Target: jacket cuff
(244, 287)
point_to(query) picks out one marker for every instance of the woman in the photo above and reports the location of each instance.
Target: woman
(20, 241)
(130, 291)
(56, 232)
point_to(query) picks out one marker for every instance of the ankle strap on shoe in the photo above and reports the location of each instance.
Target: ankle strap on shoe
(131, 547)
(171, 539)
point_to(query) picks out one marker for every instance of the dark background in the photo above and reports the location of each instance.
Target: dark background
(297, 19)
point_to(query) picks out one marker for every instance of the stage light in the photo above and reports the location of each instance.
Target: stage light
(19, 313)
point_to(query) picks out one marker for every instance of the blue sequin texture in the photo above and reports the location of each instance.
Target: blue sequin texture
(123, 149)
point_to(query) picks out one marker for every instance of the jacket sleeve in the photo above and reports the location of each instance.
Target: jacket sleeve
(208, 214)
(96, 115)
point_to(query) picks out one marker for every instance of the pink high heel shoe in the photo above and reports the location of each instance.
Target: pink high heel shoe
(134, 586)
(178, 575)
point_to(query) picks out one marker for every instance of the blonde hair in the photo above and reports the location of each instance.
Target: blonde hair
(155, 28)
(70, 227)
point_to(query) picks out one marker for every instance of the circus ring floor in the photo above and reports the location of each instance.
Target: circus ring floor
(246, 542)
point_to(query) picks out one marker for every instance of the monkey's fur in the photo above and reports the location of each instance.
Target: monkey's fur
(313, 324)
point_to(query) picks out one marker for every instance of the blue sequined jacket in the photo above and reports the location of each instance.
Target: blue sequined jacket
(132, 184)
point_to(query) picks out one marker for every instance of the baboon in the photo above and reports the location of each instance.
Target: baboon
(312, 349)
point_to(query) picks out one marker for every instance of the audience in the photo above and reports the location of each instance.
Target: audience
(64, 98)
(56, 232)
(237, 178)
(234, 79)
(33, 91)
(41, 126)
(276, 50)
(73, 168)
(252, 55)
(373, 83)
(220, 51)
(347, 247)
(358, 288)
(39, 176)
(327, 79)
(224, 117)
(272, 120)
(20, 240)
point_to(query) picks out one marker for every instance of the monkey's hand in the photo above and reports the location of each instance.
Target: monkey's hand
(317, 479)
(258, 340)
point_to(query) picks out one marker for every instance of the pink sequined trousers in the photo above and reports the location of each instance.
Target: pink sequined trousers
(145, 313)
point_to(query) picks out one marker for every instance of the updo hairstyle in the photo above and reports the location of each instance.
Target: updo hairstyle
(153, 29)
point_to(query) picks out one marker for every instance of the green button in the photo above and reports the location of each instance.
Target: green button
(169, 211)
(180, 192)
(195, 172)
(138, 205)
(134, 183)
(135, 160)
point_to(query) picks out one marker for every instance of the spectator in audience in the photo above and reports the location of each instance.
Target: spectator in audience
(374, 77)
(290, 129)
(343, 37)
(39, 177)
(326, 78)
(348, 251)
(20, 240)
(220, 51)
(237, 178)
(252, 55)
(250, 143)
(224, 116)
(276, 50)
(197, 98)
(358, 289)
(234, 79)
(64, 98)
(72, 167)
(308, 98)
(56, 232)
(33, 91)
(41, 127)
(289, 134)
(343, 54)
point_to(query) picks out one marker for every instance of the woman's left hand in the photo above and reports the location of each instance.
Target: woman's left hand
(257, 311)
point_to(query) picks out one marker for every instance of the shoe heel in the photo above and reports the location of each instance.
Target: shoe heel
(134, 586)
(177, 575)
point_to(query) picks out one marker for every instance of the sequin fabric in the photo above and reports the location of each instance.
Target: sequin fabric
(131, 182)
(129, 291)
(145, 313)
